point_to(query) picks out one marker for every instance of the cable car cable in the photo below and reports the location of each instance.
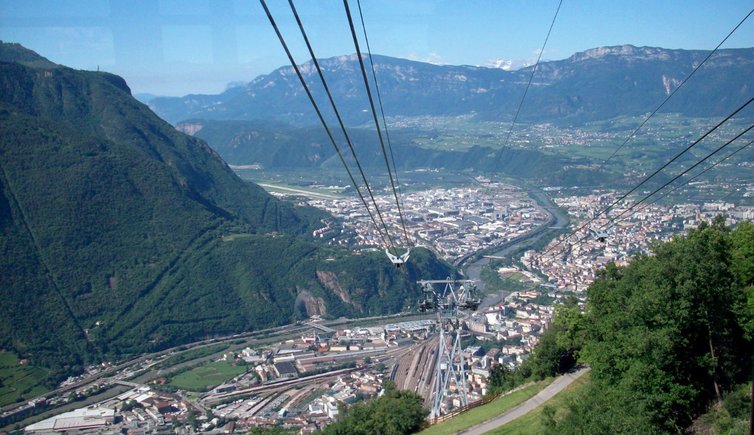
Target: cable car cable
(337, 115)
(700, 173)
(371, 104)
(614, 220)
(324, 124)
(384, 121)
(674, 91)
(693, 144)
(718, 149)
(708, 168)
(531, 77)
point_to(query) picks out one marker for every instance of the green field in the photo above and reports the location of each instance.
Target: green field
(516, 276)
(239, 236)
(207, 376)
(531, 423)
(19, 382)
(486, 412)
(192, 354)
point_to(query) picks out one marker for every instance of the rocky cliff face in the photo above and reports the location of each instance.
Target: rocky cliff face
(330, 281)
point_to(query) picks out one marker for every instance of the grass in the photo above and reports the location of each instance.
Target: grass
(516, 283)
(19, 382)
(206, 376)
(531, 423)
(192, 354)
(486, 412)
(516, 276)
(232, 237)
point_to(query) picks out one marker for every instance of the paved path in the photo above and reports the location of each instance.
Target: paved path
(519, 411)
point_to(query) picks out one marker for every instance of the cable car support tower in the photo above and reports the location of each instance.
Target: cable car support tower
(450, 367)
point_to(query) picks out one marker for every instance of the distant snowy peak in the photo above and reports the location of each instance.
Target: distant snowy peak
(627, 52)
(503, 64)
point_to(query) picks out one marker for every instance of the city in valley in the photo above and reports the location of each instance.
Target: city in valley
(299, 376)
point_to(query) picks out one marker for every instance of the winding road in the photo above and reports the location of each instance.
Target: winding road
(543, 396)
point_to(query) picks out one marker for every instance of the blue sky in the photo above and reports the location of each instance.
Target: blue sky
(176, 47)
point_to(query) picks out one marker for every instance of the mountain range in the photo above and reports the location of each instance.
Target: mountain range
(120, 235)
(596, 84)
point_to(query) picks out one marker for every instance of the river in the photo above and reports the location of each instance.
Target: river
(472, 266)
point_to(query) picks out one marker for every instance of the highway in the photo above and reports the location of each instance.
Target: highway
(307, 193)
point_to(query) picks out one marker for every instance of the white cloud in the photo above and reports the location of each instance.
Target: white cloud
(433, 58)
(549, 52)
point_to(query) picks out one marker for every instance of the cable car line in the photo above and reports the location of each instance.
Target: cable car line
(693, 144)
(337, 115)
(674, 91)
(645, 121)
(718, 149)
(372, 107)
(385, 237)
(384, 122)
(531, 77)
(708, 168)
(615, 220)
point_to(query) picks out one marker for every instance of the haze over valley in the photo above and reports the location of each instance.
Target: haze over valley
(414, 245)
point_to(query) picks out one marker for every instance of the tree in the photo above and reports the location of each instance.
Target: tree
(501, 379)
(395, 412)
(130, 405)
(559, 346)
(665, 336)
(742, 257)
(191, 419)
(549, 358)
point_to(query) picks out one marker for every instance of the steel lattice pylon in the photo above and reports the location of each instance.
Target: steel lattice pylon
(450, 366)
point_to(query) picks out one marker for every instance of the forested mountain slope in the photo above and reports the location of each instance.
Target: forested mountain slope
(668, 338)
(120, 235)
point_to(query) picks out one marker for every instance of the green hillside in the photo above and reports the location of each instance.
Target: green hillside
(668, 338)
(277, 146)
(112, 225)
